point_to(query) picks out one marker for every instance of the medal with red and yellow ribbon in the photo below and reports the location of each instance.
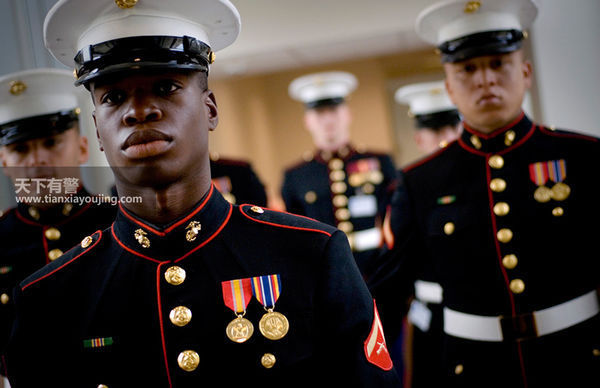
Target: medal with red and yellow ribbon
(237, 294)
(266, 290)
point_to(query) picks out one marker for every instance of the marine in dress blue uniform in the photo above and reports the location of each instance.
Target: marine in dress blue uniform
(37, 108)
(499, 217)
(160, 300)
(436, 123)
(338, 184)
(237, 181)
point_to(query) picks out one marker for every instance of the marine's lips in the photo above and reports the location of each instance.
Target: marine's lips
(146, 143)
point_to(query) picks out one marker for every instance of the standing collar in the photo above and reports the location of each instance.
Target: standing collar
(55, 215)
(343, 153)
(180, 238)
(500, 139)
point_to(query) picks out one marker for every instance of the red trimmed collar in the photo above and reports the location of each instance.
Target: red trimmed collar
(500, 139)
(343, 153)
(177, 239)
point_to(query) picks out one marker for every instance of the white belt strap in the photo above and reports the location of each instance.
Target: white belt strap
(538, 323)
(428, 292)
(364, 240)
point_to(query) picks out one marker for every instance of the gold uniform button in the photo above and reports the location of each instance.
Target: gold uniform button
(498, 185)
(345, 226)
(257, 209)
(504, 235)
(496, 161)
(180, 316)
(336, 164)
(337, 175)
(449, 228)
(342, 214)
(368, 188)
(596, 352)
(458, 369)
(268, 360)
(510, 261)
(102, 386)
(188, 360)
(340, 200)
(175, 275)
(517, 286)
(558, 211)
(55, 254)
(4, 298)
(86, 242)
(34, 213)
(52, 234)
(338, 187)
(501, 209)
(310, 197)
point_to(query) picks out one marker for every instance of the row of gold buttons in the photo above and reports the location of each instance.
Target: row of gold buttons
(504, 235)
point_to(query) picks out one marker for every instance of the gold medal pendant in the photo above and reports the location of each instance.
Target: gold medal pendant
(273, 325)
(560, 191)
(239, 330)
(542, 194)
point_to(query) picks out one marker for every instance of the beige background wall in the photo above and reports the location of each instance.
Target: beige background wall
(260, 123)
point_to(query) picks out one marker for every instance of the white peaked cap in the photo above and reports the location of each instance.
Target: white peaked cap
(425, 98)
(321, 86)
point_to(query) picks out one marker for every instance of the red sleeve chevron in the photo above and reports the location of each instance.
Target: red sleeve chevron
(375, 346)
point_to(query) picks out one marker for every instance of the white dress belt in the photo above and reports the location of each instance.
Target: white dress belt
(536, 324)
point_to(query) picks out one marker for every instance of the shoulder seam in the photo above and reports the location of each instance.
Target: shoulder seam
(549, 132)
(65, 264)
(284, 226)
(427, 158)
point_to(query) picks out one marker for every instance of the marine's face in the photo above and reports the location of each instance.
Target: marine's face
(154, 127)
(56, 156)
(329, 126)
(489, 90)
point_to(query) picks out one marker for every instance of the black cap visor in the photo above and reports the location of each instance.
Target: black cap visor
(324, 102)
(437, 120)
(37, 127)
(480, 44)
(141, 52)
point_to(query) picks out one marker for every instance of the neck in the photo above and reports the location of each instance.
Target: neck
(161, 205)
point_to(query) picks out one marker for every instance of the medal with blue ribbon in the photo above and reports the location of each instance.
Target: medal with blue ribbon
(557, 172)
(236, 295)
(266, 290)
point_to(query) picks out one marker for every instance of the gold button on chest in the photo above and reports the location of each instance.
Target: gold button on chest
(55, 254)
(517, 286)
(496, 161)
(180, 316)
(504, 235)
(175, 275)
(498, 185)
(501, 209)
(52, 234)
(340, 200)
(336, 164)
(449, 228)
(4, 298)
(458, 369)
(337, 175)
(338, 187)
(510, 261)
(188, 360)
(310, 197)
(268, 360)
